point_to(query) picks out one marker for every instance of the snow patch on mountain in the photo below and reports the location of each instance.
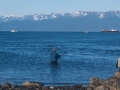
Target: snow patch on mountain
(53, 16)
(76, 13)
(101, 16)
(35, 17)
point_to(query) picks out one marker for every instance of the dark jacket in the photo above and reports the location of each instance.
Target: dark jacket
(54, 57)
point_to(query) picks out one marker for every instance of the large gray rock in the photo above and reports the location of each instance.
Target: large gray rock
(52, 88)
(37, 84)
(112, 83)
(102, 88)
(117, 74)
(6, 85)
(96, 81)
(90, 87)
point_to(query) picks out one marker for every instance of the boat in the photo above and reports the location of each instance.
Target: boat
(112, 30)
(13, 30)
(86, 31)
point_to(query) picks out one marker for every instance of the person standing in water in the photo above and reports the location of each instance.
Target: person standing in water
(54, 56)
(118, 64)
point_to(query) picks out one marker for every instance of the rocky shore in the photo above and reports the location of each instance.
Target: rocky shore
(112, 83)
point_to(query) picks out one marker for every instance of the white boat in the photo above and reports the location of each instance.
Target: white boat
(86, 31)
(13, 31)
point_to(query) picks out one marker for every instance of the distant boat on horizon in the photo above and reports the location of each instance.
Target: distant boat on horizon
(86, 31)
(112, 30)
(13, 30)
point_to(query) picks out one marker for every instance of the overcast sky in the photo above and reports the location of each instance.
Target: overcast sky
(22, 7)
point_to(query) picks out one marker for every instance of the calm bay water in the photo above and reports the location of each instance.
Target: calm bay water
(25, 56)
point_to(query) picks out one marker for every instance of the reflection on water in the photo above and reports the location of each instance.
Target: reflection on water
(54, 65)
(54, 72)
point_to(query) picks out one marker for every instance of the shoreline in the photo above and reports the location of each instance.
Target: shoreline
(112, 83)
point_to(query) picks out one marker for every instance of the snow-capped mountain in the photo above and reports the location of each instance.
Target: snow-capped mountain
(99, 14)
(76, 21)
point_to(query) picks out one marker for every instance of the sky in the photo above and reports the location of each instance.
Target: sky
(23, 7)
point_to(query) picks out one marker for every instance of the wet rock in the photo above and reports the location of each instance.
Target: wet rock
(14, 86)
(67, 87)
(77, 87)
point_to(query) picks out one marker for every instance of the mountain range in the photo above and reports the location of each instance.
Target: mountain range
(76, 21)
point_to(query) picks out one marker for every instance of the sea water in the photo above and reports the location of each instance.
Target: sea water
(25, 56)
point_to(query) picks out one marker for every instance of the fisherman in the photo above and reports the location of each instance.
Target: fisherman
(118, 64)
(54, 56)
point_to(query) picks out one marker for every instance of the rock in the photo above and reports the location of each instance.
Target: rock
(51, 87)
(117, 74)
(60, 87)
(96, 81)
(77, 87)
(21, 88)
(118, 83)
(113, 88)
(67, 87)
(31, 84)
(102, 88)
(43, 88)
(37, 89)
(6, 85)
(14, 86)
(90, 87)
(111, 82)
(0, 87)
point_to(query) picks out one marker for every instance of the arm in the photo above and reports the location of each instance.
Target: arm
(58, 56)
